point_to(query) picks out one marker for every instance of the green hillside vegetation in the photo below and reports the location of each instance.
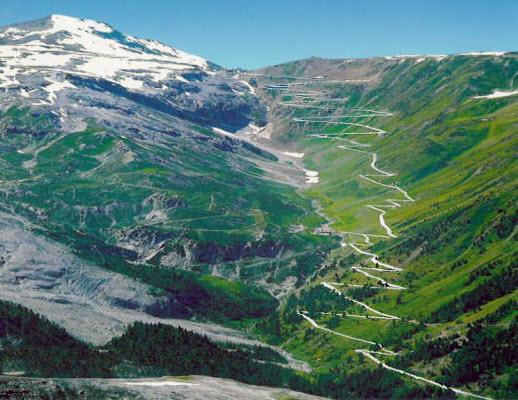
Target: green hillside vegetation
(99, 192)
(454, 321)
(456, 156)
(39, 348)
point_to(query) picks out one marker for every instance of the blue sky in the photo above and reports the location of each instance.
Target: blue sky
(254, 33)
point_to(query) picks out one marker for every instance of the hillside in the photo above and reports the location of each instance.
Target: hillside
(125, 195)
(417, 175)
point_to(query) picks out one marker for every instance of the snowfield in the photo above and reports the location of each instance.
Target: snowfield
(89, 48)
(295, 155)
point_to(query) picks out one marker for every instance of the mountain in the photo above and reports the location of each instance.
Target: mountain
(47, 61)
(417, 176)
(93, 49)
(131, 194)
(344, 228)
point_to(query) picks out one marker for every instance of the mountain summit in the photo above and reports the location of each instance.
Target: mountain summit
(91, 49)
(71, 66)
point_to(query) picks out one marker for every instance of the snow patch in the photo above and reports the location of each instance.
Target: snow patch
(418, 58)
(497, 94)
(8, 76)
(63, 22)
(311, 176)
(222, 132)
(484, 53)
(56, 86)
(296, 155)
(130, 83)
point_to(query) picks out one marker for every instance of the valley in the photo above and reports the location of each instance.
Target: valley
(336, 124)
(312, 102)
(342, 228)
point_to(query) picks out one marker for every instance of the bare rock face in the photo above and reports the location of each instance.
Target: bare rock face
(46, 277)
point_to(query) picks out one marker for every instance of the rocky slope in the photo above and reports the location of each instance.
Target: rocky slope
(188, 387)
(81, 68)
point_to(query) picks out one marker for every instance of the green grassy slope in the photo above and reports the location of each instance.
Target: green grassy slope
(167, 213)
(455, 156)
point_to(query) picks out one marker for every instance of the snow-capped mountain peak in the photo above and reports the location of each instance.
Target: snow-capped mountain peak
(72, 24)
(53, 24)
(79, 69)
(91, 48)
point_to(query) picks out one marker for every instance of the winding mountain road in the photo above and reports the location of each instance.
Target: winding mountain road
(311, 100)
